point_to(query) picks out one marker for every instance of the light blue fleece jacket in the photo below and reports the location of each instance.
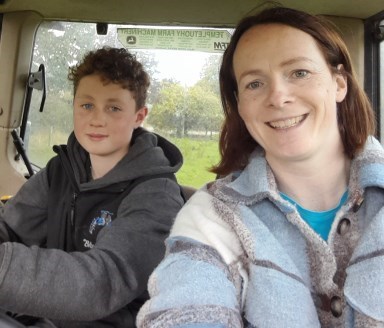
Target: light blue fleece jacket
(239, 255)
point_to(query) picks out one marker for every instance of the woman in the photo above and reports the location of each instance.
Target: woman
(293, 236)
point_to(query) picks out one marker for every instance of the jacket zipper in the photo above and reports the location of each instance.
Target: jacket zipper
(73, 206)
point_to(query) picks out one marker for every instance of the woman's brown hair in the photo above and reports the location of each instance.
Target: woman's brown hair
(355, 115)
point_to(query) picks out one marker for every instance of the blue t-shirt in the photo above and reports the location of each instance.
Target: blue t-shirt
(320, 222)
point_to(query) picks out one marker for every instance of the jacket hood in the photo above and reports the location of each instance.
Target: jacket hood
(149, 154)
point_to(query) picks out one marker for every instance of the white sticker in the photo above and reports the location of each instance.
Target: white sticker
(207, 40)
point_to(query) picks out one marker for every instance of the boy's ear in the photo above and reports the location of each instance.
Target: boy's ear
(141, 114)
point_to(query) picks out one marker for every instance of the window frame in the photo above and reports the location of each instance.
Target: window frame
(373, 36)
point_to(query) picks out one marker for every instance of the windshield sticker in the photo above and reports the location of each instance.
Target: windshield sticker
(174, 39)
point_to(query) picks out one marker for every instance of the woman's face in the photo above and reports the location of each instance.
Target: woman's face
(287, 95)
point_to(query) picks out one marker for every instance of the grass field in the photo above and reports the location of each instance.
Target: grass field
(199, 155)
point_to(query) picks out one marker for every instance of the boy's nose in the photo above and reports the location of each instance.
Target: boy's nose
(98, 118)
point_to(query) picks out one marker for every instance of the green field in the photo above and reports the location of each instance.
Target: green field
(199, 155)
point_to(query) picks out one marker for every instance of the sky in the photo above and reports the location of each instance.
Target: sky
(183, 66)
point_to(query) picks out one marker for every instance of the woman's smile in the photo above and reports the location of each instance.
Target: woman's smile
(287, 123)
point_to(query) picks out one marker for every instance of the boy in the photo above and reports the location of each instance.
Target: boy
(84, 241)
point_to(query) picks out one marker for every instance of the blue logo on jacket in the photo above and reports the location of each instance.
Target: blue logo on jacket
(103, 220)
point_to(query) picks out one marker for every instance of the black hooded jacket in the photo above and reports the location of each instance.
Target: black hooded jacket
(87, 247)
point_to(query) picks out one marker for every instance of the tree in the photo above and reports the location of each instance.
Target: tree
(148, 59)
(204, 110)
(168, 113)
(209, 76)
(182, 110)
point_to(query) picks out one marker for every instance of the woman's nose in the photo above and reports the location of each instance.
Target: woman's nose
(279, 94)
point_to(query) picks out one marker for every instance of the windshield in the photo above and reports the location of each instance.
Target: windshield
(183, 100)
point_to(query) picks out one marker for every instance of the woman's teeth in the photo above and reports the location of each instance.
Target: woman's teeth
(288, 123)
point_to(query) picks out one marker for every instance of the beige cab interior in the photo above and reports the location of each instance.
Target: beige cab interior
(21, 18)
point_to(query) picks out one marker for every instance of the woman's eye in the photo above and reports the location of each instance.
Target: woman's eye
(254, 85)
(300, 73)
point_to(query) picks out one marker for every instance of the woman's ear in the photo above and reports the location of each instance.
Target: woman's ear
(341, 84)
(141, 114)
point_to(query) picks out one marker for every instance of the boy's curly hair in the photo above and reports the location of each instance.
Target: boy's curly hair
(116, 65)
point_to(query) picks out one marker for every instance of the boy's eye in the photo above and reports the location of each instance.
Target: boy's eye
(114, 109)
(87, 106)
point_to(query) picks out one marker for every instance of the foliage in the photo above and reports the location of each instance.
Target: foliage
(204, 110)
(210, 74)
(181, 110)
(169, 111)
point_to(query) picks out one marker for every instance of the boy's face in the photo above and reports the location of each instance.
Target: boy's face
(104, 117)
